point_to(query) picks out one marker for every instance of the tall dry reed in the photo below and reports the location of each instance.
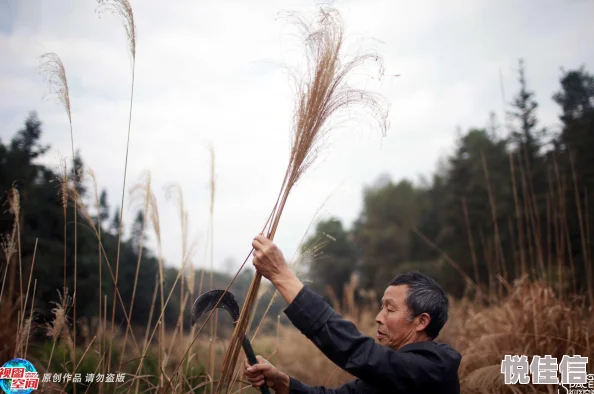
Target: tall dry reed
(322, 93)
(146, 203)
(54, 71)
(123, 10)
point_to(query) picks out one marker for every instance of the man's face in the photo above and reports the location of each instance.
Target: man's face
(393, 327)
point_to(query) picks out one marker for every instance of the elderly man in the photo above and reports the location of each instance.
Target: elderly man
(405, 359)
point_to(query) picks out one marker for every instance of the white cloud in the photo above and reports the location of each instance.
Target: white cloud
(210, 71)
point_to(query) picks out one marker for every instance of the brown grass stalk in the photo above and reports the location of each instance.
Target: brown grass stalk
(146, 206)
(54, 71)
(99, 256)
(64, 188)
(123, 10)
(14, 202)
(148, 326)
(30, 318)
(175, 191)
(25, 328)
(153, 214)
(209, 256)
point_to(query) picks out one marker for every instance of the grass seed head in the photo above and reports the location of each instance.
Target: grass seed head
(22, 336)
(64, 183)
(14, 200)
(123, 10)
(323, 92)
(60, 313)
(52, 70)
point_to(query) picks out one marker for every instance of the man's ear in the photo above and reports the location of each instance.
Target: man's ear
(422, 321)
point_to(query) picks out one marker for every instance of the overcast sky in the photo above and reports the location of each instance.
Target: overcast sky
(211, 71)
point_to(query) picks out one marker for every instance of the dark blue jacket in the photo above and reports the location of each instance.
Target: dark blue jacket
(422, 367)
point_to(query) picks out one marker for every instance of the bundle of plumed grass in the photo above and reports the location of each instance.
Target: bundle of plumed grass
(322, 94)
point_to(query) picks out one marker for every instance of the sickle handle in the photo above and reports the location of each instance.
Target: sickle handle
(251, 356)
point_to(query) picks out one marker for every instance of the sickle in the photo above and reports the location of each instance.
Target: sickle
(224, 300)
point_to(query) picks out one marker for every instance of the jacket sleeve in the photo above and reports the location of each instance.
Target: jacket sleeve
(358, 354)
(297, 387)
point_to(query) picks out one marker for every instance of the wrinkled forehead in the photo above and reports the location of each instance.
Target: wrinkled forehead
(395, 294)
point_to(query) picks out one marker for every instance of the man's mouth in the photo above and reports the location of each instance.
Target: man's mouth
(379, 333)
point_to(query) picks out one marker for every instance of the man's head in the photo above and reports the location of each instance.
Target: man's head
(414, 308)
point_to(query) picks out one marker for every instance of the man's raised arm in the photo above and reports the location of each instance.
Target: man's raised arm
(414, 366)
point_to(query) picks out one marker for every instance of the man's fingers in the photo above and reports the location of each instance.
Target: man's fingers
(257, 244)
(246, 365)
(258, 368)
(262, 239)
(255, 373)
(252, 377)
(259, 383)
(255, 378)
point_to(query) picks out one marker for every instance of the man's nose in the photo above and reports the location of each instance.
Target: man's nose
(379, 319)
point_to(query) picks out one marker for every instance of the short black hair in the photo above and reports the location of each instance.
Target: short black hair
(424, 295)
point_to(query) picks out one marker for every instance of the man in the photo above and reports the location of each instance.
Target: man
(405, 358)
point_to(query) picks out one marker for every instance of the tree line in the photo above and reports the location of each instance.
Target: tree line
(512, 200)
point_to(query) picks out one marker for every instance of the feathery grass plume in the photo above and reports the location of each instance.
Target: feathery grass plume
(8, 245)
(60, 322)
(54, 72)
(14, 202)
(123, 10)
(321, 95)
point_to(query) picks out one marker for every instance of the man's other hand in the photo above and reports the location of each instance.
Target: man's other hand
(275, 379)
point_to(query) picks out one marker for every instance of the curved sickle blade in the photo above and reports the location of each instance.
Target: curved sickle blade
(207, 301)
